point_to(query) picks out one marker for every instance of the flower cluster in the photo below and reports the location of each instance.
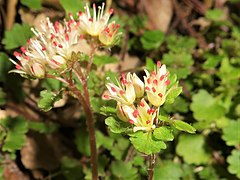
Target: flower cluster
(54, 43)
(97, 25)
(138, 102)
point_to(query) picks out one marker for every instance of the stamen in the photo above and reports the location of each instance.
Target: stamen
(111, 11)
(149, 81)
(162, 77)
(153, 73)
(147, 88)
(148, 121)
(131, 121)
(142, 104)
(18, 66)
(135, 113)
(23, 50)
(158, 64)
(16, 54)
(113, 89)
(155, 81)
(106, 96)
(167, 82)
(160, 95)
(153, 89)
(121, 92)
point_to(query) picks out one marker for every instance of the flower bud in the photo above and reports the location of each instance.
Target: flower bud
(138, 86)
(110, 35)
(37, 70)
(57, 62)
(121, 112)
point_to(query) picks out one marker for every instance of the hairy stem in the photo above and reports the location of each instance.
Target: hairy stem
(151, 166)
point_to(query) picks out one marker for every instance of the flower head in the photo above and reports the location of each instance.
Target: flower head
(50, 48)
(156, 85)
(110, 35)
(143, 117)
(93, 25)
(123, 92)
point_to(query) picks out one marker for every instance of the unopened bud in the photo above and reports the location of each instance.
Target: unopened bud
(138, 86)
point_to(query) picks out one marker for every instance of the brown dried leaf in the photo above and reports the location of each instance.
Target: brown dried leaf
(159, 13)
(38, 153)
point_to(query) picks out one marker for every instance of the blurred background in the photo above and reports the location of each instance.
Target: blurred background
(199, 40)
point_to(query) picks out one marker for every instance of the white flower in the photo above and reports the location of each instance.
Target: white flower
(156, 85)
(143, 117)
(124, 92)
(93, 25)
(51, 48)
(138, 85)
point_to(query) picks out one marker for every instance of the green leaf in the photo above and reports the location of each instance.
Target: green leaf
(174, 93)
(104, 59)
(205, 107)
(212, 61)
(72, 6)
(82, 141)
(32, 4)
(180, 43)
(231, 133)
(234, 163)
(47, 100)
(120, 147)
(163, 133)
(208, 173)
(116, 126)
(5, 66)
(150, 64)
(43, 127)
(16, 130)
(191, 148)
(179, 105)
(124, 170)
(182, 63)
(71, 168)
(51, 84)
(152, 39)
(183, 126)
(107, 110)
(104, 141)
(2, 97)
(17, 36)
(146, 143)
(214, 14)
(168, 170)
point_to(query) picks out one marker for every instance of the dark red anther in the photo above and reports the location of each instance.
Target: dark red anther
(16, 54)
(23, 50)
(67, 37)
(54, 43)
(111, 11)
(162, 77)
(155, 81)
(18, 66)
(153, 89)
(153, 73)
(142, 104)
(147, 88)
(90, 19)
(160, 95)
(60, 46)
(148, 80)
(106, 96)
(148, 121)
(158, 64)
(121, 92)
(113, 89)
(167, 82)
(131, 121)
(135, 113)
